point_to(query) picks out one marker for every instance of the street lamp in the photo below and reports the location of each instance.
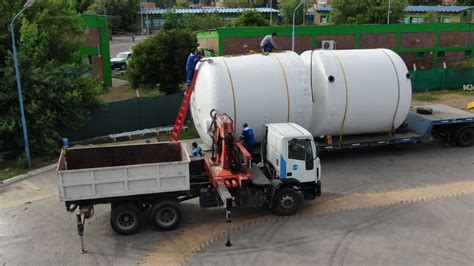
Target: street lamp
(293, 32)
(18, 81)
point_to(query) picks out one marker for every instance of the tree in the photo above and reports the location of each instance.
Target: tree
(431, 17)
(123, 14)
(426, 2)
(159, 62)
(244, 3)
(286, 9)
(83, 5)
(58, 89)
(250, 18)
(191, 22)
(366, 11)
(465, 2)
(182, 3)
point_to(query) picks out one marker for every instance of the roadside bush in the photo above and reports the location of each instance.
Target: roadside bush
(159, 62)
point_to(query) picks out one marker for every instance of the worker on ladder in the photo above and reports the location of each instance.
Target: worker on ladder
(193, 59)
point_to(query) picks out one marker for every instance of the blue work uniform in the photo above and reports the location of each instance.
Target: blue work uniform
(191, 63)
(197, 151)
(249, 139)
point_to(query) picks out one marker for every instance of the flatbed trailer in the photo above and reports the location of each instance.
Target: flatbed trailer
(452, 125)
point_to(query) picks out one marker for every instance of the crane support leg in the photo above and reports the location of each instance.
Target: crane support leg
(226, 198)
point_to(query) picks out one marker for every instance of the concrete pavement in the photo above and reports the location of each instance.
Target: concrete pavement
(36, 229)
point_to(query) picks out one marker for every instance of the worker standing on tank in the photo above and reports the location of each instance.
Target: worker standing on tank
(197, 151)
(191, 63)
(268, 44)
(248, 138)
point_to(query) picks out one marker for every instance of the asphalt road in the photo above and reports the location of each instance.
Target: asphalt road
(36, 229)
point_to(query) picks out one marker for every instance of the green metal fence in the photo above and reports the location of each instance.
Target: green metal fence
(438, 79)
(129, 115)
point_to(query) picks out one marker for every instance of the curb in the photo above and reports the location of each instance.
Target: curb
(26, 175)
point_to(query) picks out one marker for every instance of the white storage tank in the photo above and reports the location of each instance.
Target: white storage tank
(256, 89)
(357, 91)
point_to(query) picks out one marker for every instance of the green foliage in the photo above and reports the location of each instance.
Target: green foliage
(58, 89)
(286, 9)
(250, 18)
(164, 3)
(83, 5)
(431, 17)
(22, 162)
(123, 14)
(465, 2)
(191, 22)
(366, 11)
(463, 64)
(244, 3)
(182, 3)
(426, 2)
(159, 62)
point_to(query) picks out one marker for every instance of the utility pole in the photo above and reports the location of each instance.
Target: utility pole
(141, 15)
(388, 13)
(147, 21)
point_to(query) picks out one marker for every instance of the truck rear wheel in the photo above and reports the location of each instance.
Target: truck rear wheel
(125, 218)
(286, 201)
(165, 215)
(465, 137)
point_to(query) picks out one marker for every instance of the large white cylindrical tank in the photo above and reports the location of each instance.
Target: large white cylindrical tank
(256, 89)
(357, 91)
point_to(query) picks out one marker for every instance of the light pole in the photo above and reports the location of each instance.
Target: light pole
(388, 12)
(293, 30)
(141, 15)
(18, 82)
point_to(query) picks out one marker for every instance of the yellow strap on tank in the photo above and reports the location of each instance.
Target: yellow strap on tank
(286, 85)
(341, 129)
(392, 128)
(233, 93)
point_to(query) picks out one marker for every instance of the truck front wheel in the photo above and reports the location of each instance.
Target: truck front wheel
(125, 219)
(465, 138)
(286, 201)
(165, 215)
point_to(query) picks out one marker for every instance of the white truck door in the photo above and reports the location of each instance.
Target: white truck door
(300, 162)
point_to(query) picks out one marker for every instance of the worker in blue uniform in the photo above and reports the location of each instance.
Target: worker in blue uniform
(248, 137)
(197, 151)
(191, 63)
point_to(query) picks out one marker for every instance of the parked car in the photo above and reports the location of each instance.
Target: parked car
(121, 60)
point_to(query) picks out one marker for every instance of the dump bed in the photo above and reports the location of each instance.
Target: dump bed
(123, 170)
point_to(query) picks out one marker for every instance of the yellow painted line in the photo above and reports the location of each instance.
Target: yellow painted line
(180, 248)
(17, 203)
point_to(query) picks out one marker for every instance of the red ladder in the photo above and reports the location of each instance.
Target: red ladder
(183, 110)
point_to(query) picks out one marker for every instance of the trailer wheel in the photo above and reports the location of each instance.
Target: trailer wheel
(165, 215)
(125, 219)
(465, 137)
(286, 201)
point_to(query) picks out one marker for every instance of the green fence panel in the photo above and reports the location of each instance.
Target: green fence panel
(439, 79)
(129, 115)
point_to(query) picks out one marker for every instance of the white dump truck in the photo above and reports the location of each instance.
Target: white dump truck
(151, 179)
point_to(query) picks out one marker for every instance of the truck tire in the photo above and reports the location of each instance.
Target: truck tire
(165, 215)
(286, 201)
(465, 138)
(125, 219)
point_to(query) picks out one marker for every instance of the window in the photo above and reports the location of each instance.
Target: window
(296, 149)
(420, 55)
(323, 19)
(446, 20)
(416, 20)
(441, 54)
(468, 53)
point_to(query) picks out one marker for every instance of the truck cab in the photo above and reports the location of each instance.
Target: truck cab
(289, 156)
